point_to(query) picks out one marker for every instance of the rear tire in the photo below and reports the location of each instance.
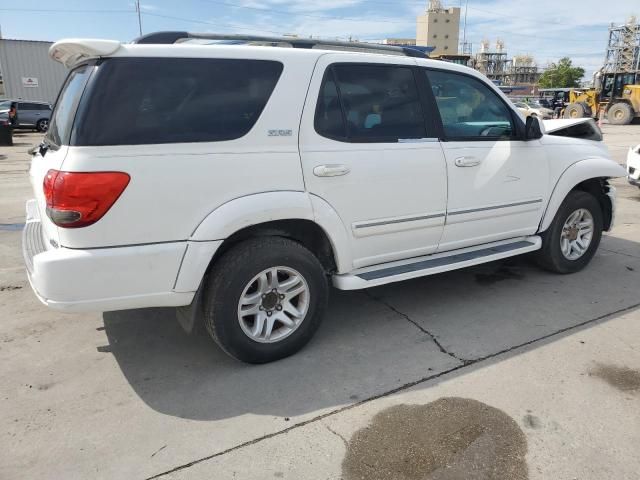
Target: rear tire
(42, 125)
(551, 256)
(243, 281)
(620, 114)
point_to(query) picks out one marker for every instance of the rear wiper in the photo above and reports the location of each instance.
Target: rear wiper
(42, 149)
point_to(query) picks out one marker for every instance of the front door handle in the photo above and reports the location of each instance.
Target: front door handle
(467, 161)
(330, 170)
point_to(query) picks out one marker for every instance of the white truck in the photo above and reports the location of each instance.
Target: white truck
(237, 181)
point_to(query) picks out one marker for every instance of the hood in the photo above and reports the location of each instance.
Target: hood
(583, 128)
(561, 123)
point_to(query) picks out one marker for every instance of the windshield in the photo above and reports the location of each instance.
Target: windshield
(64, 112)
(5, 105)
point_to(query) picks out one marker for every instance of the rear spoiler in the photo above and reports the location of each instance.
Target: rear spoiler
(71, 51)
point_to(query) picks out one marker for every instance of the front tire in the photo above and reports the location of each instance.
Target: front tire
(573, 237)
(575, 110)
(265, 298)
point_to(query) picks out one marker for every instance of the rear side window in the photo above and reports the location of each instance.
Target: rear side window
(63, 114)
(30, 106)
(370, 103)
(134, 101)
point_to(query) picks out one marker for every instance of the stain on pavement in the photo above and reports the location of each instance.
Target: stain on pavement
(451, 438)
(623, 378)
(531, 421)
(505, 272)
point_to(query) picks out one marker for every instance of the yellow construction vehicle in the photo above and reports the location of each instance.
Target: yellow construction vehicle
(617, 95)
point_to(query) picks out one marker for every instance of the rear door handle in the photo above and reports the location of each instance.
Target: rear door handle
(330, 170)
(467, 161)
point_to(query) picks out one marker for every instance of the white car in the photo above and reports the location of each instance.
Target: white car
(530, 109)
(633, 166)
(237, 181)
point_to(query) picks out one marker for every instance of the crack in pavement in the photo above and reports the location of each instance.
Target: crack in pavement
(417, 325)
(620, 253)
(344, 440)
(393, 391)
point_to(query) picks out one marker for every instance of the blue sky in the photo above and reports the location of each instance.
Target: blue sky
(546, 29)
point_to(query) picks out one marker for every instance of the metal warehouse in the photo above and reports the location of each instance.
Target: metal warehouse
(27, 71)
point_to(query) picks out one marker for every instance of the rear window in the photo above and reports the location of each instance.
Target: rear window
(134, 101)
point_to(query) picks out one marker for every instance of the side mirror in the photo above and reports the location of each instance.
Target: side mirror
(532, 129)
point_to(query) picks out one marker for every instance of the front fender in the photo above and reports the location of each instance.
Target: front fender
(594, 167)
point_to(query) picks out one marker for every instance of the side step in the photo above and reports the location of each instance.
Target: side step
(436, 263)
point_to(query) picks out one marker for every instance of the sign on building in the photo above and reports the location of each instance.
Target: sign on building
(29, 81)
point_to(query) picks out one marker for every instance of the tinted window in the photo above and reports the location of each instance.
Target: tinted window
(329, 121)
(33, 106)
(135, 101)
(470, 109)
(379, 104)
(62, 117)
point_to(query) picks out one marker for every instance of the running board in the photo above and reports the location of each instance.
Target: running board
(436, 263)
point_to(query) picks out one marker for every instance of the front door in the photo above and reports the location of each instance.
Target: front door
(368, 150)
(497, 181)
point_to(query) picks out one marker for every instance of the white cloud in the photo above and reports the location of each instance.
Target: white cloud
(301, 5)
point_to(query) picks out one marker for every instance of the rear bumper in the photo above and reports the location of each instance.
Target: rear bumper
(102, 279)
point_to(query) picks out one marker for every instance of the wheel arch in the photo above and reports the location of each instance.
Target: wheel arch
(296, 215)
(590, 175)
(299, 216)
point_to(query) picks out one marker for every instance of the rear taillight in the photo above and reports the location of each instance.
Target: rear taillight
(79, 199)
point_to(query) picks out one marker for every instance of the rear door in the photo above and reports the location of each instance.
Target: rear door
(369, 150)
(497, 181)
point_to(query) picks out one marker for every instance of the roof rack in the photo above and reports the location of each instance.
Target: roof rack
(179, 37)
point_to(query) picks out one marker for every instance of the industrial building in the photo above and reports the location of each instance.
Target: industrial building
(439, 27)
(27, 71)
(496, 65)
(623, 48)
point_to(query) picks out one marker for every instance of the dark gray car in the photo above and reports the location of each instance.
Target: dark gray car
(28, 115)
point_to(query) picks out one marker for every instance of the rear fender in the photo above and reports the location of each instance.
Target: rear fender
(243, 212)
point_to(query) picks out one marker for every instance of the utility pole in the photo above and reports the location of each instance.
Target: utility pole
(139, 16)
(464, 31)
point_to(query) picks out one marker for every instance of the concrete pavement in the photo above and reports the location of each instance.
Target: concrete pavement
(499, 351)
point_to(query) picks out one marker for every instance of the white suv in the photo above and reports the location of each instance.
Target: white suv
(236, 181)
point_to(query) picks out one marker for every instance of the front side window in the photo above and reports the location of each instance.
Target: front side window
(469, 109)
(136, 101)
(377, 103)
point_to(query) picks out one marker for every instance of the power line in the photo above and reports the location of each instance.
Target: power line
(61, 10)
